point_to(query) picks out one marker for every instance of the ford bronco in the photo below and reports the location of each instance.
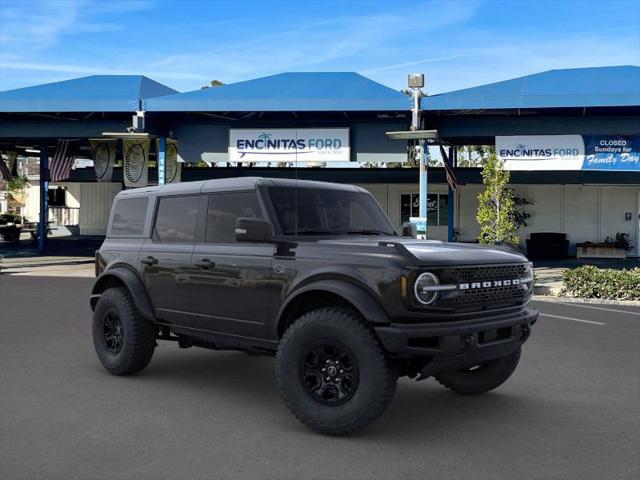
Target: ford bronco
(314, 274)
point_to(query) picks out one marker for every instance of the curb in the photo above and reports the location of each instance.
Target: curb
(11, 266)
(597, 301)
(546, 290)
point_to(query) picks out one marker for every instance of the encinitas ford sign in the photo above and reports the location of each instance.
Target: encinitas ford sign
(569, 152)
(289, 145)
(541, 152)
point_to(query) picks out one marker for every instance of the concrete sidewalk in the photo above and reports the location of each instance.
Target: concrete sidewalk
(548, 280)
(48, 266)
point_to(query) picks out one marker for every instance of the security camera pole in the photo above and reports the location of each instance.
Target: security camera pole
(416, 83)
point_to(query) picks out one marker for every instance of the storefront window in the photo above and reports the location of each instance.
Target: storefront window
(437, 211)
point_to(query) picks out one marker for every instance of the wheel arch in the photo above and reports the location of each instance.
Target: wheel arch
(122, 276)
(326, 293)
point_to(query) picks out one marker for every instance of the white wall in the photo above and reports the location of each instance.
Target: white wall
(584, 212)
(32, 202)
(614, 203)
(95, 205)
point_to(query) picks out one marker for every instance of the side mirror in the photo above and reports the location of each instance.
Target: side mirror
(409, 230)
(253, 230)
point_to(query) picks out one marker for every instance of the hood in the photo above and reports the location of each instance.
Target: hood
(435, 252)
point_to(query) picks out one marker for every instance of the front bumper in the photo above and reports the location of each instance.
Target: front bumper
(452, 345)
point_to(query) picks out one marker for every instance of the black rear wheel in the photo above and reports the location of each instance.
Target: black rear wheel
(124, 341)
(332, 372)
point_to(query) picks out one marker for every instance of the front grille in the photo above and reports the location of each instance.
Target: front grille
(486, 297)
(490, 295)
(488, 272)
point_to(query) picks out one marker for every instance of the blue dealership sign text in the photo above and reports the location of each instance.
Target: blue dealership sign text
(611, 152)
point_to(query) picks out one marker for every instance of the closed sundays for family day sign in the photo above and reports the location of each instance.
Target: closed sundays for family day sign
(569, 152)
(289, 145)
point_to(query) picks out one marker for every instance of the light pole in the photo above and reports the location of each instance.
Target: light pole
(416, 83)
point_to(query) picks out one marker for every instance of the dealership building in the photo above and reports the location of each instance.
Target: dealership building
(571, 139)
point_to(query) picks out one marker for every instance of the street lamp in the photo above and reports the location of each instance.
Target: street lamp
(416, 83)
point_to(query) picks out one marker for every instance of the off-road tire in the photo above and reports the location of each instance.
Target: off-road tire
(138, 337)
(377, 377)
(482, 379)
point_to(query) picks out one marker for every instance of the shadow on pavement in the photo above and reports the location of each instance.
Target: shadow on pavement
(418, 409)
(56, 247)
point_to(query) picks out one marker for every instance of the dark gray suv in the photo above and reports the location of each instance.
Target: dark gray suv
(314, 274)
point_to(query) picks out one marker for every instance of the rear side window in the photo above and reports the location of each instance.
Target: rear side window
(128, 216)
(224, 210)
(176, 219)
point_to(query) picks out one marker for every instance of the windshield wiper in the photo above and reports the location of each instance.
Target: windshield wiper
(366, 232)
(312, 232)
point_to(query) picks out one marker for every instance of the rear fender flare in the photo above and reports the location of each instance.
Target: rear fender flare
(134, 284)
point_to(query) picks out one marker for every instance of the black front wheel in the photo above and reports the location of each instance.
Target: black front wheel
(332, 372)
(122, 338)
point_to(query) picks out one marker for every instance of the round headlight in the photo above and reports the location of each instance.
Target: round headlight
(529, 276)
(423, 288)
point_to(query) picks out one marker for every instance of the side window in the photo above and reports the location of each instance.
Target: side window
(176, 219)
(128, 216)
(224, 210)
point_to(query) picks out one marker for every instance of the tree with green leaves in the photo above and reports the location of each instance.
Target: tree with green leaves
(213, 83)
(497, 207)
(474, 155)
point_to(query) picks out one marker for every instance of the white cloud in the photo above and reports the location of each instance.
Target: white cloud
(31, 27)
(90, 70)
(314, 46)
(435, 37)
(408, 64)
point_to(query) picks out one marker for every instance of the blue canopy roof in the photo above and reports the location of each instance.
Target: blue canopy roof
(577, 87)
(297, 92)
(96, 93)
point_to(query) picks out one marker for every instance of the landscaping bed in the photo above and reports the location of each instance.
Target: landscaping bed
(588, 281)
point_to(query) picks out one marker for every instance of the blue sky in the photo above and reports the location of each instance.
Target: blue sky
(184, 44)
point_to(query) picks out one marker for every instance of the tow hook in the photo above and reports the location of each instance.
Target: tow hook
(468, 342)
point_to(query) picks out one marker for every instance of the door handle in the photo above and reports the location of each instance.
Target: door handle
(205, 263)
(149, 261)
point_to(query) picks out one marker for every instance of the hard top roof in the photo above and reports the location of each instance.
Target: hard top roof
(231, 184)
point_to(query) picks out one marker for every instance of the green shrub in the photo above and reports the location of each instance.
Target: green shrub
(588, 281)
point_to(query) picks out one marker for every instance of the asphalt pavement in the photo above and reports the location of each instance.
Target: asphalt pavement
(571, 410)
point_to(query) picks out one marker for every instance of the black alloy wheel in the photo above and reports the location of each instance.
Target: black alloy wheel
(124, 341)
(113, 331)
(330, 373)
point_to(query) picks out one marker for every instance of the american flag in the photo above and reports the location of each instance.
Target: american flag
(4, 170)
(448, 169)
(62, 160)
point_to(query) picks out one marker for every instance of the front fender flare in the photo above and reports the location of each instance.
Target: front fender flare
(134, 284)
(357, 296)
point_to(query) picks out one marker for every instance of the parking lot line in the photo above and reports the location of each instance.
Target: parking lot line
(597, 308)
(571, 318)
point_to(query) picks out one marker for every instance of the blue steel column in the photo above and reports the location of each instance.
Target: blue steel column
(453, 153)
(423, 183)
(44, 199)
(162, 160)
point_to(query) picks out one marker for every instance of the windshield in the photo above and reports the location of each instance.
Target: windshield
(318, 211)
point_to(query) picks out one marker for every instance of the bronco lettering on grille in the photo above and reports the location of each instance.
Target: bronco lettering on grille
(488, 284)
